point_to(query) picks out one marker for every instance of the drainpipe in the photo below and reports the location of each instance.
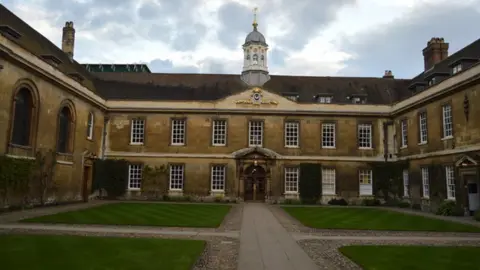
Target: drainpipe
(104, 136)
(385, 138)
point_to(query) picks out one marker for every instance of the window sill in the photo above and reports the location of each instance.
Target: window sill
(177, 144)
(365, 148)
(426, 198)
(219, 145)
(292, 147)
(423, 143)
(133, 189)
(65, 162)
(64, 158)
(253, 146)
(451, 199)
(403, 147)
(136, 144)
(447, 138)
(90, 138)
(329, 147)
(20, 157)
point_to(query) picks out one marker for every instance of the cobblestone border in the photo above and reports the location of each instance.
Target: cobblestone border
(322, 251)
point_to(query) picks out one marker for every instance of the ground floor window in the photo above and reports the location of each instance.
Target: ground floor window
(328, 181)
(218, 178)
(365, 178)
(450, 177)
(406, 186)
(134, 176)
(292, 175)
(425, 183)
(176, 177)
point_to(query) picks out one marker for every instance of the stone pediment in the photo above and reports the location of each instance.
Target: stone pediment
(468, 160)
(255, 153)
(256, 98)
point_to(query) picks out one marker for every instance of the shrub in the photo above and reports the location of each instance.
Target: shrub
(370, 202)
(403, 204)
(336, 201)
(476, 216)
(449, 208)
(416, 206)
(310, 182)
(292, 201)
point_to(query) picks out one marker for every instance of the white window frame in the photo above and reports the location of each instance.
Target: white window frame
(219, 132)
(178, 131)
(425, 182)
(365, 181)
(255, 133)
(447, 121)
(423, 127)
(137, 131)
(450, 182)
(291, 134)
(364, 132)
(328, 135)
(176, 177)
(90, 125)
(135, 175)
(292, 177)
(329, 179)
(406, 184)
(324, 99)
(218, 176)
(457, 68)
(404, 129)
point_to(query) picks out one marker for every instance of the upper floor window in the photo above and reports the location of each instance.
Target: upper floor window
(90, 123)
(22, 123)
(365, 136)
(456, 68)
(422, 126)
(404, 129)
(219, 133)
(65, 130)
(137, 131)
(447, 124)
(178, 132)
(291, 134)
(134, 176)
(255, 133)
(328, 135)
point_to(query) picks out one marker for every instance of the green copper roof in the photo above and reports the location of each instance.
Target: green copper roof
(141, 68)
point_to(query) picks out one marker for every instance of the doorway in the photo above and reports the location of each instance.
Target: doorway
(473, 194)
(87, 181)
(254, 183)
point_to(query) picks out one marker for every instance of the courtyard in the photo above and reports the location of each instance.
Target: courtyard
(148, 235)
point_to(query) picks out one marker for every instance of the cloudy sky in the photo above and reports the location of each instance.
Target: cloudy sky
(306, 37)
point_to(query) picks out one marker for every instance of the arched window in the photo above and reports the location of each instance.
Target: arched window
(65, 133)
(91, 120)
(255, 59)
(22, 118)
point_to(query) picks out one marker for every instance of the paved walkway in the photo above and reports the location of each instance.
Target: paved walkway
(266, 245)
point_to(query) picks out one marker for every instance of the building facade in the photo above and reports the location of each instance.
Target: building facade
(245, 135)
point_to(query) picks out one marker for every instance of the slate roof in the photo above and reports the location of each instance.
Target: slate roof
(161, 86)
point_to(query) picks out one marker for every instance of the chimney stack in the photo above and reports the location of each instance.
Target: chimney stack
(436, 51)
(68, 39)
(388, 74)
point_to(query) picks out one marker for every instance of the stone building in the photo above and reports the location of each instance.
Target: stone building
(219, 134)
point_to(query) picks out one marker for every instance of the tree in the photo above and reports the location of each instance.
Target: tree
(154, 178)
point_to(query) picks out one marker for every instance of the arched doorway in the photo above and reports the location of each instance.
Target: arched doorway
(254, 183)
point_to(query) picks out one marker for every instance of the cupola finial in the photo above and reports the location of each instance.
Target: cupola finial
(255, 24)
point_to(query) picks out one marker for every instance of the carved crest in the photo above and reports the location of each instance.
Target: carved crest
(256, 98)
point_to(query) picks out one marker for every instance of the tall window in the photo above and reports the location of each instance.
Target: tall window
(447, 121)
(292, 175)
(219, 133)
(255, 133)
(422, 122)
(22, 118)
(218, 175)
(178, 132)
(134, 176)
(291, 134)
(328, 181)
(364, 136)
(450, 177)
(404, 128)
(406, 185)
(365, 179)
(328, 135)
(137, 131)
(177, 177)
(64, 130)
(90, 123)
(425, 183)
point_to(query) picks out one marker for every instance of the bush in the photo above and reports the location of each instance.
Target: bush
(310, 185)
(370, 202)
(416, 206)
(403, 204)
(336, 201)
(449, 208)
(476, 216)
(111, 175)
(292, 201)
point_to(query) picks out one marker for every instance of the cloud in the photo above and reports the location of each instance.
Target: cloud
(166, 66)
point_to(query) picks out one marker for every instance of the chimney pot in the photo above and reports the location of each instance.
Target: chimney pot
(436, 51)
(388, 74)
(68, 39)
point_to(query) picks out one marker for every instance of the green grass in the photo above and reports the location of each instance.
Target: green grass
(372, 219)
(413, 257)
(145, 214)
(94, 253)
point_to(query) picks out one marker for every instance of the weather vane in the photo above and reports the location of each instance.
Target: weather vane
(255, 17)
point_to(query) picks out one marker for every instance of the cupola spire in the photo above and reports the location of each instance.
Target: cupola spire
(255, 24)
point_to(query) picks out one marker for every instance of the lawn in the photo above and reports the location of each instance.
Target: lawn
(372, 219)
(145, 214)
(94, 253)
(413, 257)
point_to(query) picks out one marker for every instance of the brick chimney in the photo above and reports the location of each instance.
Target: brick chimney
(436, 51)
(388, 74)
(68, 39)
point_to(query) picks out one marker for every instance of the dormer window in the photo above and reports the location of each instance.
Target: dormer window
(9, 31)
(324, 99)
(456, 68)
(431, 81)
(52, 60)
(291, 96)
(359, 100)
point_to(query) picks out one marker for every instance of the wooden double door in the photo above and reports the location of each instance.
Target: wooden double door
(254, 183)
